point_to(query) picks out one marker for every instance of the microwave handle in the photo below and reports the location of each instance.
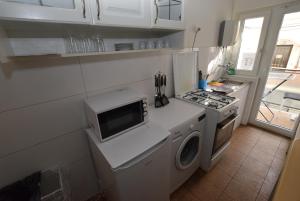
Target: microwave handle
(230, 122)
(143, 156)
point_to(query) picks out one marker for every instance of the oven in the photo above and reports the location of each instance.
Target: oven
(223, 133)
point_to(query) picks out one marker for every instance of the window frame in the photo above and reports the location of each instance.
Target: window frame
(266, 14)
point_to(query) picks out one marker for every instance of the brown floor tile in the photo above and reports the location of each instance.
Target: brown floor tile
(208, 187)
(217, 178)
(266, 190)
(242, 147)
(277, 164)
(228, 166)
(182, 195)
(255, 166)
(268, 148)
(262, 156)
(260, 198)
(284, 144)
(235, 155)
(249, 179)
(272, 176)
(205, 191)
(240, 192)
(281, 153)
(225, 197)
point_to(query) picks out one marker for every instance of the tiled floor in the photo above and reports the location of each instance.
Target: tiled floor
(247, 172)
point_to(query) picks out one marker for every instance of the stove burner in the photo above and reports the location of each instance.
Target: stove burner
(208, 99)
(213, 105)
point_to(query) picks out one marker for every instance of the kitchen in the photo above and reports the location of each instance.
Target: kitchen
(45, 80)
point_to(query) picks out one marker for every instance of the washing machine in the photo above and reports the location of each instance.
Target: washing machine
(186, 125)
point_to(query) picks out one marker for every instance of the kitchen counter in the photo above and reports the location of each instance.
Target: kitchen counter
(289, 182)
(234, 86)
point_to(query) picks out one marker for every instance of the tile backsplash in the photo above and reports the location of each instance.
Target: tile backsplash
(42, 117)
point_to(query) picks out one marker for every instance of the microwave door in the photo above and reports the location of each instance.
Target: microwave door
(118, 120)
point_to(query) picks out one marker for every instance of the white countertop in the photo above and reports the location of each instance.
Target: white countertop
(175, 113)
(124, 148)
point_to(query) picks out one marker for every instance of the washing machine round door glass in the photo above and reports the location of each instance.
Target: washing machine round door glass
(188, 151)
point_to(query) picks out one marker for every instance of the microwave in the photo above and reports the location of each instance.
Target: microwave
(113, 113)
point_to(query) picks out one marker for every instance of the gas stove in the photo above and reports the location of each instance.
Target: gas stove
(208, 99)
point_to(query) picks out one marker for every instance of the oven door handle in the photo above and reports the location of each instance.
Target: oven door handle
(229, 123)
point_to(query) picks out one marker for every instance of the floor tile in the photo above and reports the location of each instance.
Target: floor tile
(255, 166)
(249, 179)
(225, 197)
(228, 166)
(266, 190)
(262, 156)
(240, 192)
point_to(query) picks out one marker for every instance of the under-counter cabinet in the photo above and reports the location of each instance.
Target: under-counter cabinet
(60, 11)
(241, 94)
(168, 14)
(123, 13)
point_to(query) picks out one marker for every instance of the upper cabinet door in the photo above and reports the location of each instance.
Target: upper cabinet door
(62, 11)
(124, 13)
(168, 14)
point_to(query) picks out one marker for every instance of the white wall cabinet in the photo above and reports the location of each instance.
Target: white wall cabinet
(129, 13)
(161, 14)
(168, 14)
(65, 11)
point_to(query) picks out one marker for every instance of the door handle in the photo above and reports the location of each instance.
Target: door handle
(156, 6)
(83, 9)
(98, 9)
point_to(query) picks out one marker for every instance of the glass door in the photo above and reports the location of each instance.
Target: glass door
(169, 13)
(278, 99)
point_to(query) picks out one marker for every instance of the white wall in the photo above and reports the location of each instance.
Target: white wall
(206, 14)
(247, 5)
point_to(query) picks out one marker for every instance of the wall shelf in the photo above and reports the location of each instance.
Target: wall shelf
(115, 52)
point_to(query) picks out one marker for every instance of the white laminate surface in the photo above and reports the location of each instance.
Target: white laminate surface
(175, 113)
(131, 144)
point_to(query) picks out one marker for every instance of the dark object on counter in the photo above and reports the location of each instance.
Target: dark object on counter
(160, 98)
(157, 99)
(200, 75)
(123, 46)
(27, 189)
(164, 98)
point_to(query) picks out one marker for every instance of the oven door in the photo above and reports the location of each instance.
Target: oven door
(224, 132)
(121, 119)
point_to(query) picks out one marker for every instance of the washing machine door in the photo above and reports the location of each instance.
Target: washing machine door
(189, 151)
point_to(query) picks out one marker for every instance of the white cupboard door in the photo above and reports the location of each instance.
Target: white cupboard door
(62, 11)
(168, 14)
(122, 13)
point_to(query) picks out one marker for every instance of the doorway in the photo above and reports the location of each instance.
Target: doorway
(277, 105)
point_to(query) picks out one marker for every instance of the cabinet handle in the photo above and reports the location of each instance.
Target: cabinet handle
(98, 9)
(156, 6)
(83, 9)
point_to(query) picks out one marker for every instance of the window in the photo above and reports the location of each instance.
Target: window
(250, 39)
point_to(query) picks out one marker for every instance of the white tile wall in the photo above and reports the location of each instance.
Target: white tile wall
(59, 151)
(41, 107)
(31, 125)
(101, 73)
(30, 81)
